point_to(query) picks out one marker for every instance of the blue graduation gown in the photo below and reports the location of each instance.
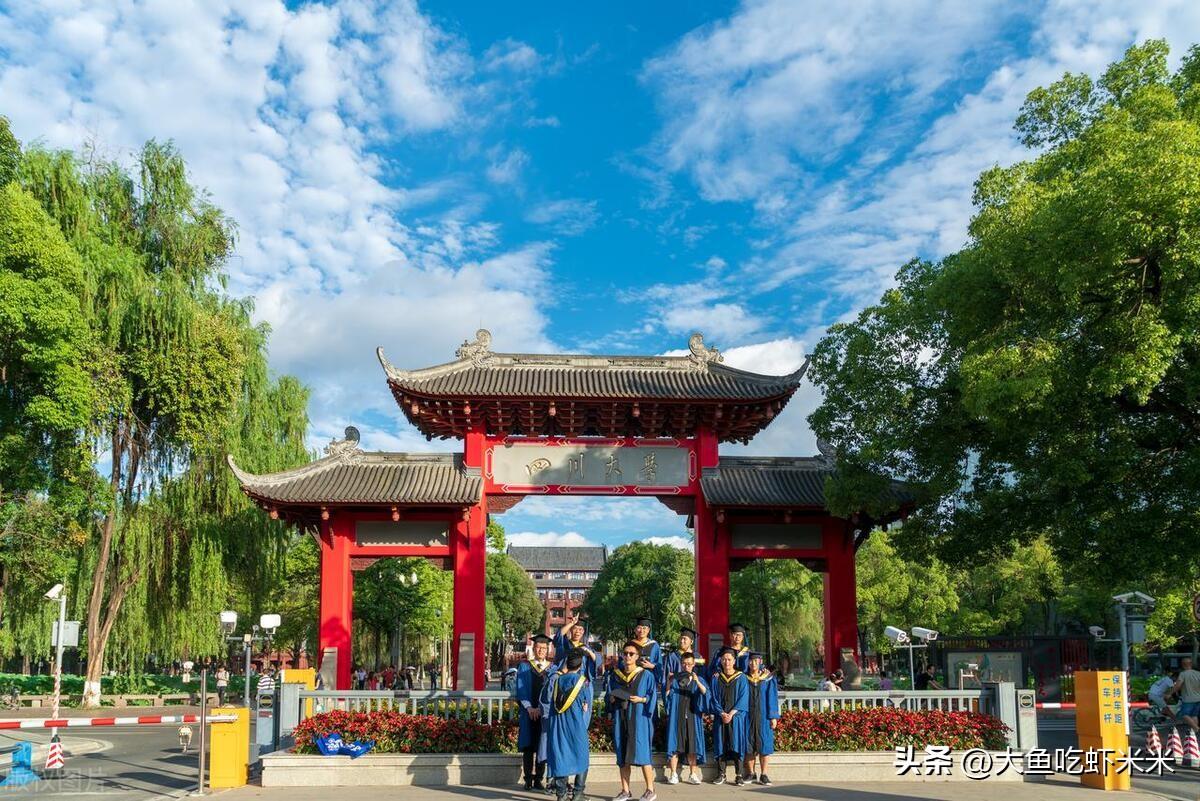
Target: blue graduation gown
(741, 662)
(563, 647)
(672, 664)
(729, 694)
(653, 651)
(633, 724)
(529, 690)
(566, 730)
(763, 708)
(686, 707)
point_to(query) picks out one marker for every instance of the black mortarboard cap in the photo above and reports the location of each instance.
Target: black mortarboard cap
(726, 650)
(643, 621)
(689, 632)
(737, 627)
(754, 655)
(542, 638)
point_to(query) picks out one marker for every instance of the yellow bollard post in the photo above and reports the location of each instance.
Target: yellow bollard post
(229, 749)
(1102, 725)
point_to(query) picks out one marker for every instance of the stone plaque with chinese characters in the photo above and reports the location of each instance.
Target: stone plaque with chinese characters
(590, 466)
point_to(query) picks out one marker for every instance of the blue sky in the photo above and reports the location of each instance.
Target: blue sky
(601, 177)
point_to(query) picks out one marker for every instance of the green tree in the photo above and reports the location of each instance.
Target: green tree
(1043, 380)
(179, 378)
(781, 602)
(495, 536)
(1014, 594)
(512, 600)
(894, 591)
(390, 606)
(641, 580)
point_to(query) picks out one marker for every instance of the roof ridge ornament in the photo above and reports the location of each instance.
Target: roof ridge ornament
(478, 352)
(699, 355)
(345, 450)
(829, 453)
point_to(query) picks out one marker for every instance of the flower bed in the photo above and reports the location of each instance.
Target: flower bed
(863, 729)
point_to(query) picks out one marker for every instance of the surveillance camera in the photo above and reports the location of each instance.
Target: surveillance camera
(1097, 631)
(929, 635)
(898, 636)
(54, 592)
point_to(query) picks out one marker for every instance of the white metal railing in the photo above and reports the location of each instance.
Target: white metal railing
(496, 705)
(483, 705)
(944, 700)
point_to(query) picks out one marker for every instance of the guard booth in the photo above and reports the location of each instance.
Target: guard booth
(550, 425)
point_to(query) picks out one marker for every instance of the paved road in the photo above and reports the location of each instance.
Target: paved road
(1058, 731)
(146, 763)
(134, 764)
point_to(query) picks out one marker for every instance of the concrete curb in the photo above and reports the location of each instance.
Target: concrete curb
(283, 769)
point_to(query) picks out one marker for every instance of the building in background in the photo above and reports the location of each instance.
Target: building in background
(562, 577)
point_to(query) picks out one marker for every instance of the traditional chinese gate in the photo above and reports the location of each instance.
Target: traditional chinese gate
(534, 424)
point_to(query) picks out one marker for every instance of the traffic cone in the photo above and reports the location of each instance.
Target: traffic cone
(1192, 750)
(54, 757)
(1153, 742)
(1175, 746)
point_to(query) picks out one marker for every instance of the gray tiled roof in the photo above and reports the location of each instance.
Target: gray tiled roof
(480, 373)
(559, 558)
(775, 481)
(355, 476)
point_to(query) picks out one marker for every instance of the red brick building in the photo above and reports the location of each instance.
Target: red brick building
(562, 577)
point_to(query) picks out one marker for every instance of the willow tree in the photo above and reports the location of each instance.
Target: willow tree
(181, 374)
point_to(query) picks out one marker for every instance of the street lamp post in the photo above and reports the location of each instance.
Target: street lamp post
(401, 633)
(267, 623)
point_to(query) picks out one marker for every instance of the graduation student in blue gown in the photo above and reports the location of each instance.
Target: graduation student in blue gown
(651, 658)
(686, 703)
(671, 662)
(566, 704)
(632, 697)
(729, 701)
(761, 719)
(571, 637)
(531, 677)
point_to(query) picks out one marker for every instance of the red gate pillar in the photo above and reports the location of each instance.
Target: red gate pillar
(470, 564)
(469, 551)
(337, 599)
(841, 604)
(712, 556)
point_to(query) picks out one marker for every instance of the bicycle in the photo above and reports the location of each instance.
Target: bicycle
(1147, 716)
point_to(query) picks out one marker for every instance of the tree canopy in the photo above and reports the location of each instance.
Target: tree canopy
(1043, 383)
(641, 580)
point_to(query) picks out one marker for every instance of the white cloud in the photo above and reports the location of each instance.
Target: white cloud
(506, 169)
(550, 121)
(569, 216)
(510, 54)
(762, 106)
(682, 543)
(548, 539)
(779, 88)
(789, 433)
(719, 321)
(281, 114)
